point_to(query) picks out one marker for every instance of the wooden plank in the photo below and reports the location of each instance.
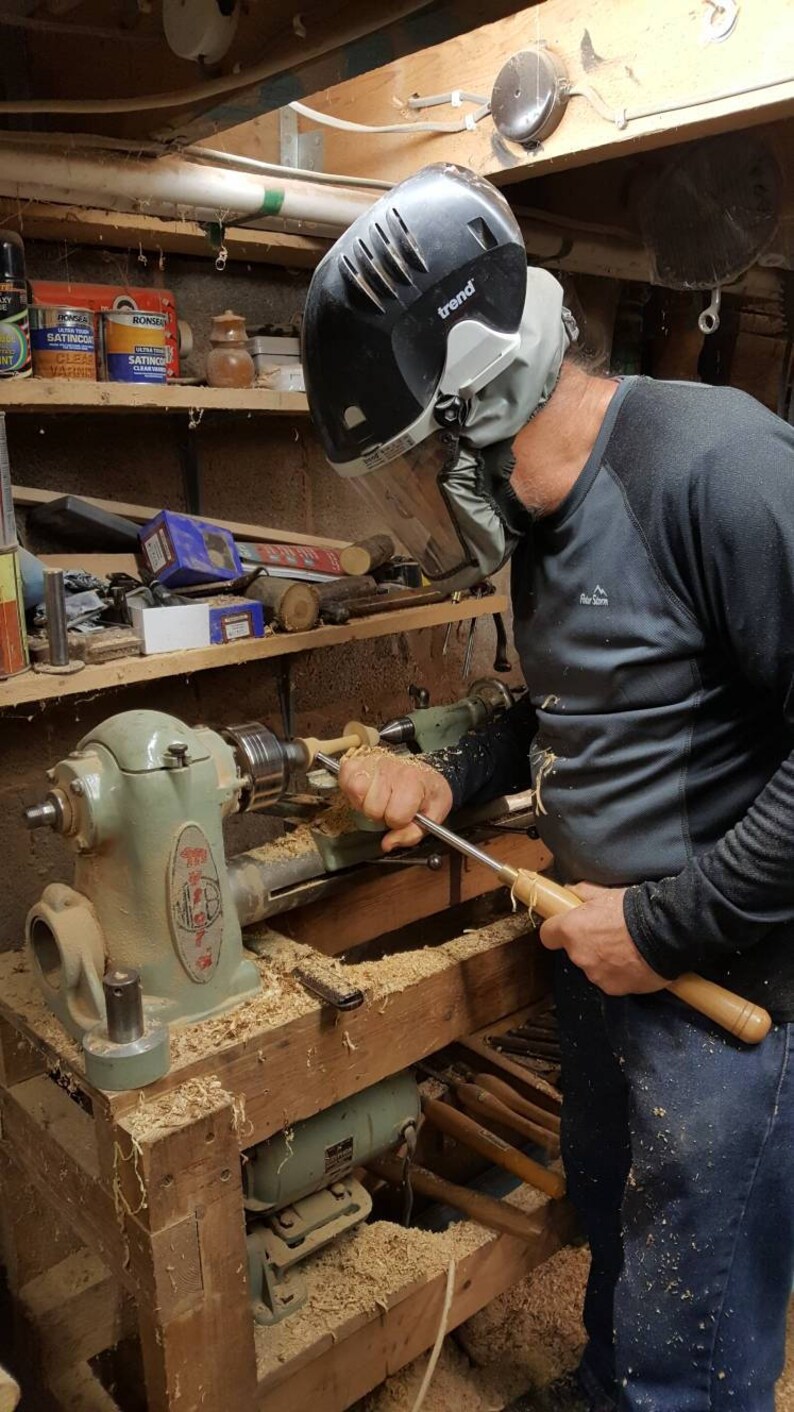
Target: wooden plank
(478, 978)
(79, 1390)
(362, 1354)
(77, 1310)
(31, 686)
(646, 55)
(103, 565)
(187, 1254)
(341, 921)
(118, 229)
(26, 495)
(63, 395)
(52, 1139)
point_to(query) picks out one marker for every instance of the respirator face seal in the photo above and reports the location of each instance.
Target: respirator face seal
(436, 500)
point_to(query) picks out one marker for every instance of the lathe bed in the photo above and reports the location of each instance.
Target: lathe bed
(140, 1192)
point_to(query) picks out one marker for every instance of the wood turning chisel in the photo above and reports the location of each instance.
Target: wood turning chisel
(741, 1018)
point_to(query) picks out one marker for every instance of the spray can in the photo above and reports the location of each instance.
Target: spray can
(15, 358)
(13, 638)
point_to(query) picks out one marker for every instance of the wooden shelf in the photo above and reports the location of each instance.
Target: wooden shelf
(34, 686)
(61, 395)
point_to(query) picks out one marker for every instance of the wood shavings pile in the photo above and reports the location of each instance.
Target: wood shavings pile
(196, 1098)
(521, 1342)
(280, 1000)
(367, 1269)
(535, 1328)
(21, 993)
(456, 1387)
(379, 979)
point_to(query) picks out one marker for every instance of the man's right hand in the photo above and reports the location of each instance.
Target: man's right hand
(393, 789)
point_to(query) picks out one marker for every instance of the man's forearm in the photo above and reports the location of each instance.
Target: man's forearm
(728, 898)
(492, 761)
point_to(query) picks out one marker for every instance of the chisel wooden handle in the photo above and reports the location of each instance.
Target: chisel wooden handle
(485, 1210)
(739, 1017)
(448, 1120)
(540, 1116)
(479, 1103)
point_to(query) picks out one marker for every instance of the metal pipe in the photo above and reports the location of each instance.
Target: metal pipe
(123, 1005)
(55, 602)
(171, 188)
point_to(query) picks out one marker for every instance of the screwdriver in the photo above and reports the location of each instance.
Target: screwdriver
(739, 1017)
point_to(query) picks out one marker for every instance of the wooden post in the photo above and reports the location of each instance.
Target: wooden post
(180, 1190)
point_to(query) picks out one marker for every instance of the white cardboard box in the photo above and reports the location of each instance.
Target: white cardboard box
(172, 629)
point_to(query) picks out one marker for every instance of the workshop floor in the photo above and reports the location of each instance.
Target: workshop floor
(518, 1350)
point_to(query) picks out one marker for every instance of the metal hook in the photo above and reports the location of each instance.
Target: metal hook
(709, 320)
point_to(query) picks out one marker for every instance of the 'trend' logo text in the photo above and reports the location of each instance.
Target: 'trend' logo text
(460, 298)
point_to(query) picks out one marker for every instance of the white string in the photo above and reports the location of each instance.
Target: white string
(440, 1336)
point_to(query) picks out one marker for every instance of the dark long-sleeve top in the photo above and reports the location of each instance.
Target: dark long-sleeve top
(654, 619)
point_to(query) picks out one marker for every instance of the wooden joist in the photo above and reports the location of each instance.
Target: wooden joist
(638, 55)
(79, 225)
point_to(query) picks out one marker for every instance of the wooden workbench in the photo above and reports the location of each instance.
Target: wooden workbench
(148, 1183)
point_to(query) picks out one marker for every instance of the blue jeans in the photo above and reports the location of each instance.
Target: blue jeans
(679, 1149)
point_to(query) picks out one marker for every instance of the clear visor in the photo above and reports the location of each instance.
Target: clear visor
(407, 497)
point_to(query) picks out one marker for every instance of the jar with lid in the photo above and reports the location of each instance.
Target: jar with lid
(229, 363)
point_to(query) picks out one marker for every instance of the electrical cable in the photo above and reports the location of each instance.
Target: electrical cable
(467, 124)
(621, 117)
(440, 1336)
(455, 97)
(210, 156)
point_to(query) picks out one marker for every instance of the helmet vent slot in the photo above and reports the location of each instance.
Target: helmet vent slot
(483, 234)
(354, 277)
(406, 241)
(390, 254)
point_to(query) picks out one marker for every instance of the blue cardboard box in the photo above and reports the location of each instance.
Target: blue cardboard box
(181, 550)
(235, 619)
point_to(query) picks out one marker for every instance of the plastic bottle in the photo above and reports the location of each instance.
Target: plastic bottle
(15, 359)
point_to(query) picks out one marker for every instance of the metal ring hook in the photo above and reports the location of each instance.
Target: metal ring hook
(709, 320)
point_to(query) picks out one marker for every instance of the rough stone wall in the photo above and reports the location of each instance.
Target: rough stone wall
(260, 469)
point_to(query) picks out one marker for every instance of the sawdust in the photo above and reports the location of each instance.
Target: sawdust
(20, 992)
(338, 818)
(366, 752)
(196, 1098)
(535, 1328)
(280, 1000)
(456, 1387)
(291, 844)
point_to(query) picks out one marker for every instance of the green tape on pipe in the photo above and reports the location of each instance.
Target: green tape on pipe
(272, 203)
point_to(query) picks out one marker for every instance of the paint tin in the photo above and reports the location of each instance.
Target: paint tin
(133, 346)
(63, 342)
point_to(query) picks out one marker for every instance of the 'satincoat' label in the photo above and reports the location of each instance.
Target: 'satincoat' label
(195, 905)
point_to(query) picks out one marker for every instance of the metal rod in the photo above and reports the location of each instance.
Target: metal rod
(55, 600)
(123, 1004)
(446, 835)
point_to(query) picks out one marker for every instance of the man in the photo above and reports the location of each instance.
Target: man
(652, 535)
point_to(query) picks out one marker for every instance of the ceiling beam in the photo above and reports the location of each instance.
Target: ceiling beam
(78, 225)
(639, 54)
(325, 43)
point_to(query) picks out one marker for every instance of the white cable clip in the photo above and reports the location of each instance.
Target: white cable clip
(471, 125)
(455, 98)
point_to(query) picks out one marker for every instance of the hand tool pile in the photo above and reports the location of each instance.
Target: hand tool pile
(488, 1107)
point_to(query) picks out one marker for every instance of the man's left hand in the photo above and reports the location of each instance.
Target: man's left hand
(597, 940)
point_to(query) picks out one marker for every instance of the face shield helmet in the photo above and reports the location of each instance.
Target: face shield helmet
(426, 341)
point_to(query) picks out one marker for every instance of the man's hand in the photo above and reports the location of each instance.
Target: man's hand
(597, 940)
(392, 790)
